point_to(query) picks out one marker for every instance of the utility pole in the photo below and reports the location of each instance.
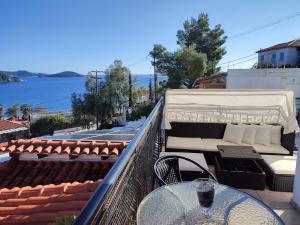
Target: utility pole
(96, 93)
(155, 79)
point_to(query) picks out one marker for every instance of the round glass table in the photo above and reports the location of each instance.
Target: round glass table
(177, 204)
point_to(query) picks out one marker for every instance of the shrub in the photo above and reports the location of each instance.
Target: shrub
(140, 110)
(48, 124)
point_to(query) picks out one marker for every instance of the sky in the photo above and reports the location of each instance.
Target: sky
(81, 35)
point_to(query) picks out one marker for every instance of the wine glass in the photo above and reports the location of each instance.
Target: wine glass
(205, 191)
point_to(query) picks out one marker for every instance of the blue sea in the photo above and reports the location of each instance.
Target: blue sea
(50, 92)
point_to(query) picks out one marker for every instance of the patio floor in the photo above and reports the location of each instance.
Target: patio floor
(278, 201)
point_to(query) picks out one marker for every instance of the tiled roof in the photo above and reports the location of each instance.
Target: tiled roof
(17, 173)
(10, 125)
(291, 44)
(44, 203)
(75, 148)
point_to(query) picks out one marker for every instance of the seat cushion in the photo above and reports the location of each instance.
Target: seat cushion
(185, 143)
(281, 164)
(186, 165)
(210, 144)
(271, 149)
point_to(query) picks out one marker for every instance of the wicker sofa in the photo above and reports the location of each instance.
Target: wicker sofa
(204, 138)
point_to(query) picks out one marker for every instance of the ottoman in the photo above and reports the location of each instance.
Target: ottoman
(280, 170)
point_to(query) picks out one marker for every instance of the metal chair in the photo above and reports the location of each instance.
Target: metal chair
(167, 171)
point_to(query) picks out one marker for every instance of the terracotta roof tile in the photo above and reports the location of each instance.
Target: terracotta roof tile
(36, 173)
(74, 148)
(10, 125)
(43, 204)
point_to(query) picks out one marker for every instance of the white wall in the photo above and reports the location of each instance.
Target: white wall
(290, 56)
(264, 79)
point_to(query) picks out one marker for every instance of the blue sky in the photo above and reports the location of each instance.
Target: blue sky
(80, 35)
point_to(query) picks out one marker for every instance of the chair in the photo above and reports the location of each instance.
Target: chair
(167, 171)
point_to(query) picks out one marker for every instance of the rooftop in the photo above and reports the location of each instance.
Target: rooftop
(10, 125)
(44, 203)
(291, 44)
(70, 147)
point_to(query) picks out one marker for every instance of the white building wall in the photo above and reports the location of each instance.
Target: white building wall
(264, 79)
(290, 56)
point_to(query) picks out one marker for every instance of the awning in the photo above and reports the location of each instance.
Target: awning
(231, 106)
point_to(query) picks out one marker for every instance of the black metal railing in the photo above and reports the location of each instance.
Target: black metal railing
(130, 179)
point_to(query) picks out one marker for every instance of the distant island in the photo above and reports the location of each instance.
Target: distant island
(24, 73)
(6, 78)
(62, 74)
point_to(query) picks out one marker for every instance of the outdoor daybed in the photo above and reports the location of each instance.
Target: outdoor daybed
(196, 120)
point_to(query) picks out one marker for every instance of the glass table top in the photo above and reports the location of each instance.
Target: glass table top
(177, 204)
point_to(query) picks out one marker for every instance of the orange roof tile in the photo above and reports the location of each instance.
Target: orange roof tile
(44, 203)
(17, 174)
(10, 125)
(74, 148)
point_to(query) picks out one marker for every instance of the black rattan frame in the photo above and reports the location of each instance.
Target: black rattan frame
(167, 171)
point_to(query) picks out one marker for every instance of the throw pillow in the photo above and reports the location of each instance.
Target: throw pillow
(234, 133)
(249, 134)
(275, 134)
(263, 135)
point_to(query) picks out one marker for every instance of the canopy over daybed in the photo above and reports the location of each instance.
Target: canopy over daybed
(231, 106)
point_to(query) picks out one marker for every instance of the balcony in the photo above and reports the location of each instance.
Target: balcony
(131, 178)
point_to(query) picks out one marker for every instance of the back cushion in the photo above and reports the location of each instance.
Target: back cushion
(203, 130)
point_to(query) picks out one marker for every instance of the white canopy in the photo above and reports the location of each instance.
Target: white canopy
(226, 106)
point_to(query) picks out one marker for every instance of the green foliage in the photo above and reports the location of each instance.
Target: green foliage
(130, 103)
(206, 40)
(1, 111)
(140, 110)
(26, 110)
(183, 67)
(200, 51)
(66, 220)
(112, 95)
(48, 124)
(261, 65)
(13, 110)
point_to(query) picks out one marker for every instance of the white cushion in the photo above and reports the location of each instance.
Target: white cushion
(275, 134)
(234, 133)
(275, 149)
(210, 144)
(263, 135)
(185, 143)
(281, 164)
(185, 165)
(249, 134)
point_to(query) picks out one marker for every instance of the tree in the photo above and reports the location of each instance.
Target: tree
(130, 103)
(13, 110)
(1, 111)
(111, 97)
(150, 90)
(206, 40)
(183, 67)
(26, 110)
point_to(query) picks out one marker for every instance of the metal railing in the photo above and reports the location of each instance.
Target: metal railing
(116, 200)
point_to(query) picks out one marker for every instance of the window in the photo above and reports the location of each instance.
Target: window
(281, 56)
(273, 58)
(262, 58)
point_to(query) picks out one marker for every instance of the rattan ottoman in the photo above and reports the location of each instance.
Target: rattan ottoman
(280, 171)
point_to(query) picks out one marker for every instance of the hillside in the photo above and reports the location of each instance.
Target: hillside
(24, 73)
(5, 78)
(62, 74)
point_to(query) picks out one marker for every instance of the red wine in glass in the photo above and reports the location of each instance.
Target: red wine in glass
(206, 193)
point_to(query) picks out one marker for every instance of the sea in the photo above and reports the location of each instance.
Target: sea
(52, 93)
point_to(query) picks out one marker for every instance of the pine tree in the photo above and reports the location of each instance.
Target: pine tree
(150, 89)
(130, 90)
